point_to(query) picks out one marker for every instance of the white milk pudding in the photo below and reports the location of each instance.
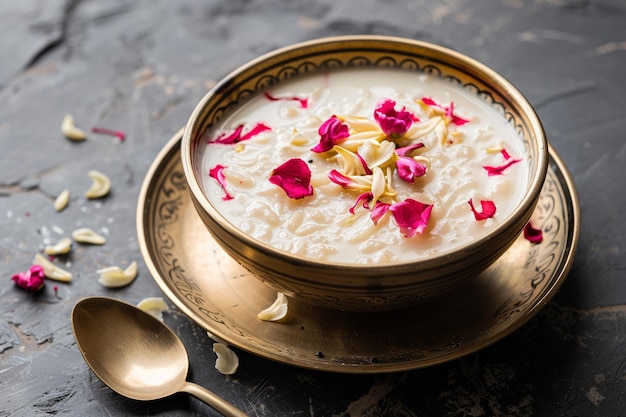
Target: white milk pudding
(365, 166)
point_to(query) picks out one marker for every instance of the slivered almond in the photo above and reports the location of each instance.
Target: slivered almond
(62, 200)
(86, 235)
(114, 276)
(63, 246)
(276, 311)
(100, 186)
(70, 130)
(52, 271)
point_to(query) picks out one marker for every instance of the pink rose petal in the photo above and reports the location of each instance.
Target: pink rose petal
(332, 132)
(409, 168)
(457, 120)
(294, 177)
(236, 136)
(379, 211)
(499, 170)
(394, 123)
(340, 179)
(304, 102)
(406, 151)
(31, 280)
(367, 169)
(362, 199)
(103, 130)
(217, 173)
(488, 208)
(533, 235)
(412, 216)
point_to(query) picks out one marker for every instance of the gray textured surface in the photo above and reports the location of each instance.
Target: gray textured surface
(140, 66)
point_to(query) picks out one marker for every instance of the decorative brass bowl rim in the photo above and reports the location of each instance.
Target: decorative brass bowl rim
(303, 58)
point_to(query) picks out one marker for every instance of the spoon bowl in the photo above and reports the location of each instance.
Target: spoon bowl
(135, 354)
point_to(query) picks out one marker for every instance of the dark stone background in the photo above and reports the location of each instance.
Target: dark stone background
(140, 66)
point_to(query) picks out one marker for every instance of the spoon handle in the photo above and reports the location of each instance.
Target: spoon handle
(210, 398)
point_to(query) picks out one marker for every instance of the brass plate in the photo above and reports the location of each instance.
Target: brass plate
(224, 298)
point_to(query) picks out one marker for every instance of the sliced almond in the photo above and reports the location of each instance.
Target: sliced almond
(114, 276)
(70, 130)
(227, 361)
(86, 235)
(52, 271)
(155, 306)
(100, 186)
(276, 311)
(62, 200)
(63, 246)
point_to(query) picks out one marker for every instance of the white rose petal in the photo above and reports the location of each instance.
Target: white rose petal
(276, 311)
(62, 247)
(114, 276)
(52, 271)
(85, 235)
(70, 131)
(155, 306)
(227, 361)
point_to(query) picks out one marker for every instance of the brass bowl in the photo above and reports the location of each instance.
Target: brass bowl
(365, 287)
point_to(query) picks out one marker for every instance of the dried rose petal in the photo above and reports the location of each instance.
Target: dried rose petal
(236, 136)
(412, 216)
(533, 235)
(409, 168)
(31, 280)
(332, 132)
(217, 173)
(505, 154)
(294, 176)
(488, 208)
(394, 123)
(379, 210)
(499, 170)
(121, 136)
(455, 119)
(304, 102)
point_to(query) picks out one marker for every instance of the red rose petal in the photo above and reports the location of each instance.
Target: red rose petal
(533, 235)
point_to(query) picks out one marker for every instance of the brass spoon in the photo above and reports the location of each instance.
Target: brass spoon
(135, 354)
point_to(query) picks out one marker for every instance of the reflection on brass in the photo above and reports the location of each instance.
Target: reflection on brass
(135, 354)
(365, 287)
(224, 298)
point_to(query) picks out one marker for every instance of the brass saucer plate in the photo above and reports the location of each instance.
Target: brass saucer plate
(224, 298)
